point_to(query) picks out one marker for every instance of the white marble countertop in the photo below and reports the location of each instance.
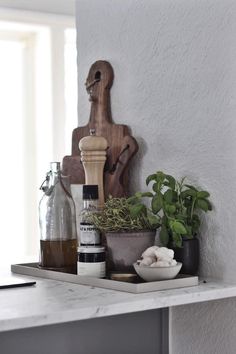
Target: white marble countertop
(53, 302)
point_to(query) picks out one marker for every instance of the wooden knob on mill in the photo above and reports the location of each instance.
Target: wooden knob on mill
(93, 156)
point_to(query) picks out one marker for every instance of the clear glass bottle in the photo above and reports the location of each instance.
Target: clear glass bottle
(58, 243)
(89, 235)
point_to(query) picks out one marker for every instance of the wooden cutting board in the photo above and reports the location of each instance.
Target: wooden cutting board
(121, 145)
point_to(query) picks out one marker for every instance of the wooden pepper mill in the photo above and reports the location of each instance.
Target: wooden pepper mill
(93, 156)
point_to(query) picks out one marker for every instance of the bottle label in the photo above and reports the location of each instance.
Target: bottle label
(89, 235)
(96, 270)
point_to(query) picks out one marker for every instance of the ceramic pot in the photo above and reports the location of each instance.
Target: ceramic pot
(125, 248)
(188, 255)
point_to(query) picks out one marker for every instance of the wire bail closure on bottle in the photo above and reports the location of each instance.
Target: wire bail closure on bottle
(43, 187)
(48, 190)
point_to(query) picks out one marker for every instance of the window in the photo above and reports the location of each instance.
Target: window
(38, 110)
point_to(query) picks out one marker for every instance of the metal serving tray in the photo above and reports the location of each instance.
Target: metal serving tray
(181, 281)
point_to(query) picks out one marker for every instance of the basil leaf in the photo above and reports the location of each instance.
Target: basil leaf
(157, 203)
(164, 236)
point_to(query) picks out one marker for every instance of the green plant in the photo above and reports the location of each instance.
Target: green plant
(177, 206)
(122, 214)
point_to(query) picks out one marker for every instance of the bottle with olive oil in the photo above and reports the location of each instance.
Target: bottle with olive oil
(58, 241)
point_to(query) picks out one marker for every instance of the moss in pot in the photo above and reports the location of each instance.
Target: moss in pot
(129, 227)
(178, 206)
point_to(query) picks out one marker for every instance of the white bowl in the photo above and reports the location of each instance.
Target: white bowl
(157, 273)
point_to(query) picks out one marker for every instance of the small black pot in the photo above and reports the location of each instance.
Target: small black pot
(188, 255)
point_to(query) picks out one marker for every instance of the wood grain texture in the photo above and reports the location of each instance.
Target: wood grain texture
(121, 145)
(93, 156)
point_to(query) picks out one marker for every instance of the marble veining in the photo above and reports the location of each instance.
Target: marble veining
(51, 302)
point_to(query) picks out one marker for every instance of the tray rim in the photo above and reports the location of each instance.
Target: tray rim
(32, 270)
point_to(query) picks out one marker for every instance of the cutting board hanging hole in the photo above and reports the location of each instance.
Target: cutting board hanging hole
(98, 75)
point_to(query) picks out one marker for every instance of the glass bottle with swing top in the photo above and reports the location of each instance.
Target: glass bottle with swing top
(58, 242)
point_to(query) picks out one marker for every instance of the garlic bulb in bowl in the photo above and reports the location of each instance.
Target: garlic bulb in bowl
(157, 263)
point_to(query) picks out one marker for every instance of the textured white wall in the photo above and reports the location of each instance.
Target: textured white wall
(175, 85)
(207, 328)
